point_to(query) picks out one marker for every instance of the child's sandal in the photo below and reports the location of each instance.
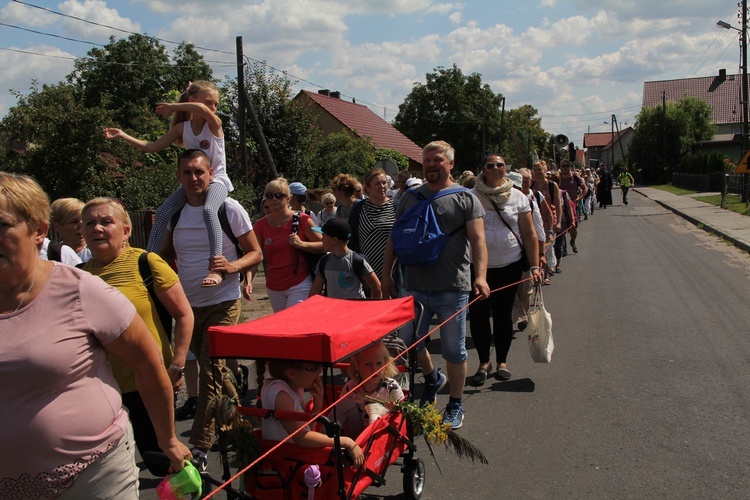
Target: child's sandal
(212, 279)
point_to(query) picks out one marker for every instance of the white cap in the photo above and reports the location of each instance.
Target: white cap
(413, 182)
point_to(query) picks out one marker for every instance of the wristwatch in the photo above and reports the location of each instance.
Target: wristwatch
(178, 369)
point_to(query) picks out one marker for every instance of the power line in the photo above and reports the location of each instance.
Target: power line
(112, 27)
(177, 43)
(49, 34)
(37, 54)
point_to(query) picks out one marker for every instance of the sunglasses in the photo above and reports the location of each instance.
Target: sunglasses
(313, 368)
(564, 166)
(329, 203)
(278, 196)
(493, 165)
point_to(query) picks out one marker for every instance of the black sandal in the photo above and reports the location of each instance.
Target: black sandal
(480, 377)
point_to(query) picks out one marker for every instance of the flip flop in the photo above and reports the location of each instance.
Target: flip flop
(212, 279)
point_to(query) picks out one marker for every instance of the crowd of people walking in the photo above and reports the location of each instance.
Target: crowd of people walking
(112, 363)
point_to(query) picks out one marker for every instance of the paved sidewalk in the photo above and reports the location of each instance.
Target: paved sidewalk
(729, 225)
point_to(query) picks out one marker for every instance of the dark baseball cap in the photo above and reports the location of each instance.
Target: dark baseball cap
(338, 228)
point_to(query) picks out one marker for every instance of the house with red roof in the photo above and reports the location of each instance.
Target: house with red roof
(607, 147)
(723, 93)
(337, 115)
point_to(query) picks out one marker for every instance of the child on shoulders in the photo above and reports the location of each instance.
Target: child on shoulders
(195, 125)
(342, 271)
(284, 391)
(357, 410)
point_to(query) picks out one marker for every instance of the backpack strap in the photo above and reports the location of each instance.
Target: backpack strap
(144, 269)
(225, 227)
(295, 230)
(448, 192)
(358, 264)
(175, 219)
(54, 250)
(551, 186)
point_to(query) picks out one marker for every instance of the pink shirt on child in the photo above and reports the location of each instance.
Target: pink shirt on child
(61, 408)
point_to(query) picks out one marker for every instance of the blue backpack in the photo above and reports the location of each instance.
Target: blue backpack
(416, 236)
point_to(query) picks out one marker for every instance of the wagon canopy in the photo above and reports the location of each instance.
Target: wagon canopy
(320, 329)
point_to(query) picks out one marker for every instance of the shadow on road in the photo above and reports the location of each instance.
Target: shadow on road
(520, 385)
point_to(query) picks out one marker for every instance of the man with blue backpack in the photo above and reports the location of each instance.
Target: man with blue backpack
(438, 234)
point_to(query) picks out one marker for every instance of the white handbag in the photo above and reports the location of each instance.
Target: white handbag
(541, 344)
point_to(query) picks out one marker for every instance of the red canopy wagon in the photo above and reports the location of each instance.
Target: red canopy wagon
(327, 331)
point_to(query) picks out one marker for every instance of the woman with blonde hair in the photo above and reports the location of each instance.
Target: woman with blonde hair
(329, 208)
(106, 229)
(283, 239)
(64, 426)
(66, 221)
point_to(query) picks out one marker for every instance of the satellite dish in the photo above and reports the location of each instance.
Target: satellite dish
(388, 166)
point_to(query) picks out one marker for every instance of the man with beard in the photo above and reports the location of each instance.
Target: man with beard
(444, 287)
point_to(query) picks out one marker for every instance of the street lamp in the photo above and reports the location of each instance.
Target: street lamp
(743, 48)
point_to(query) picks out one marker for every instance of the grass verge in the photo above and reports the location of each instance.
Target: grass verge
(673, 189)
(733, 203)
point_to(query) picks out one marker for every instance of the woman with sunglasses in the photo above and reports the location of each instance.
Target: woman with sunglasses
(288, 278)
(509, 232)
(329, 208)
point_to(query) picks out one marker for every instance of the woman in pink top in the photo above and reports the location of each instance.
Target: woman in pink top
(64, 431)
(288, 278)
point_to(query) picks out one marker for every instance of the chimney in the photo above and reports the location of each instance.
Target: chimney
(336, 95)
(324, 92)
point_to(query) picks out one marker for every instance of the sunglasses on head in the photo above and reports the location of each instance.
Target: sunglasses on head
(278, 196)
(493, 165)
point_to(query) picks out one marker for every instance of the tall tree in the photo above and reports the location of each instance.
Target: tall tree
(456, 108)
(523, 135)
(187, 66)
(286, 126)
(342, 152)
(128, 76)
(59, 142)
(58, 128)
(664, 135)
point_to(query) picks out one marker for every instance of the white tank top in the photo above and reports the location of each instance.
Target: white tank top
(211, 145)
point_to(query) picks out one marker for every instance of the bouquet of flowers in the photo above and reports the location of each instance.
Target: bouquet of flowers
(428, 423)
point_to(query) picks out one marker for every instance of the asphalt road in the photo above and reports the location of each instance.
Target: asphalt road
(646, 395)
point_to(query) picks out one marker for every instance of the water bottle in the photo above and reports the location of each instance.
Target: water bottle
(312, 480)
(179, 485)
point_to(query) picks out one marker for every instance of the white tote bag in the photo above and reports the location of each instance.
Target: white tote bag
(541, 344)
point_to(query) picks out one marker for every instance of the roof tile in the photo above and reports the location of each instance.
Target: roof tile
(364, 122)
(723, 96)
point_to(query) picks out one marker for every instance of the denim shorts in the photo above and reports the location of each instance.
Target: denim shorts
(452, 334)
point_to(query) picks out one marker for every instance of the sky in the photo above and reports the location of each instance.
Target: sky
(578, 62)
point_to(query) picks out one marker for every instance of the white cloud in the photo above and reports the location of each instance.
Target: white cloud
(98, 12)
(548, 4)
(444, 8)
(16, 13)
(21, 68)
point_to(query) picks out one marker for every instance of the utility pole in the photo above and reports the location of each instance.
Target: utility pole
(241, 109)
(744, 95)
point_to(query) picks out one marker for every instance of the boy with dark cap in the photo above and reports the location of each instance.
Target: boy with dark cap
(342, 271)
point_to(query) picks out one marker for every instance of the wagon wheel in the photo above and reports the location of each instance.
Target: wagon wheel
(414, 474)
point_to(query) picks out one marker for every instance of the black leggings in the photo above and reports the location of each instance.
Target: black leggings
(500, 307)
(143, 431)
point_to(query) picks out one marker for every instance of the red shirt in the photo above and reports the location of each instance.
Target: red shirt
(285, 265)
